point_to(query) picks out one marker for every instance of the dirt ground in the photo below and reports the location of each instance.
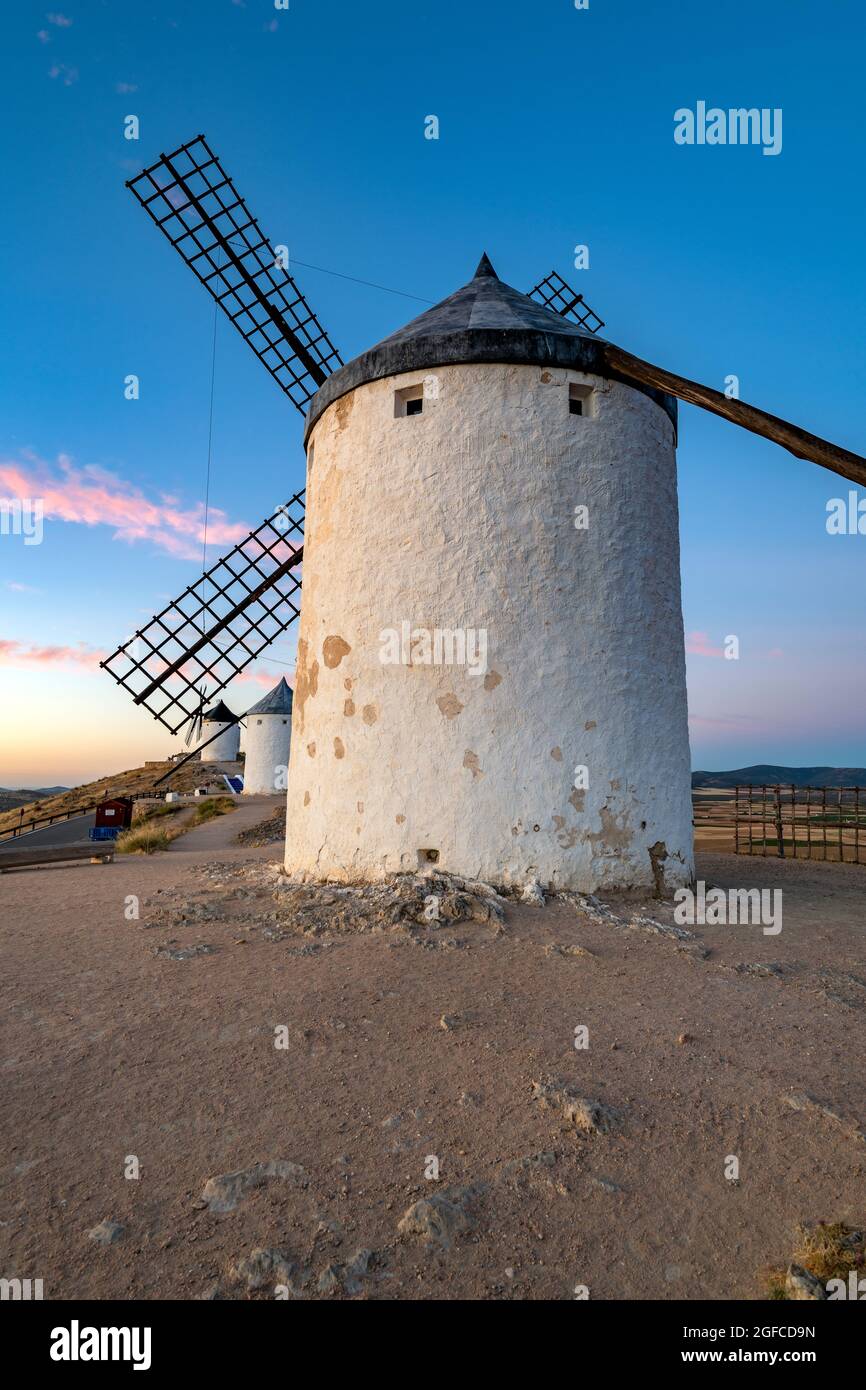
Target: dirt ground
(408, 1046)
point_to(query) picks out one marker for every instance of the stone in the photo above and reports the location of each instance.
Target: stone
(588, 1116)
(224, 1192)
(441, 1217)
(263, 1268)
(765, 970)
(106, 1233)
(800, 1285)
(183, 952)
(533, 893)
(803, 1101)
(347, 1278)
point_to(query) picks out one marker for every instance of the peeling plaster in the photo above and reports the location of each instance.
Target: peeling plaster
(306, 681)
(333, 651)
(450, 705)
(470, 760)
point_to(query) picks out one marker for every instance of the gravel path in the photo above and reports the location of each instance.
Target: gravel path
(154, 1038)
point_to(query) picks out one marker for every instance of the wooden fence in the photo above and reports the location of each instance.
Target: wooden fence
(785, 821)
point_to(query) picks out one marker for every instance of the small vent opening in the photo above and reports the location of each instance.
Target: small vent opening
(580, 399)
(409, 401)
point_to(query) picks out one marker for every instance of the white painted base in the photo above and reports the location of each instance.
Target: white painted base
(267, 739)
(224, 748)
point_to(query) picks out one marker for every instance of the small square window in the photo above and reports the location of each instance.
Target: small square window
(408, 401)
(579, 399)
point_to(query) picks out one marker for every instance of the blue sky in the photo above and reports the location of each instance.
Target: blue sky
(556, 128)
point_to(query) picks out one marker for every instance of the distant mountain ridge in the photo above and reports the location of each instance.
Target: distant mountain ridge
(10, 797)
(768, 774)
(32, 791)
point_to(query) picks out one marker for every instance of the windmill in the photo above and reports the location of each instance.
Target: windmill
(194, 723)
(481, 343)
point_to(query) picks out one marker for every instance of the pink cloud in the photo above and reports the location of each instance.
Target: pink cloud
(17, 654)
(268, 679)
(91, 496)
(699, 644)
(740, 722)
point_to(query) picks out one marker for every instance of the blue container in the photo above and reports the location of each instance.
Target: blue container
(104, 832)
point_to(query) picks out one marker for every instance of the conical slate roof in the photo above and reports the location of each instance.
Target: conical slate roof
(486, 302)
(484, 321)
(277, 701)
(218, 714)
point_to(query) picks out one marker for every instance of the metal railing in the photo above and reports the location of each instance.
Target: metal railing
(12, 832)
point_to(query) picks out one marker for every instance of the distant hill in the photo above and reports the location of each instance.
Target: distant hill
(10, 797)
(135, 781)
(767, 774)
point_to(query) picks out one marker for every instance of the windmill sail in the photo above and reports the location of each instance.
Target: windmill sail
(556, 294)
(197, 207)
(218, 625)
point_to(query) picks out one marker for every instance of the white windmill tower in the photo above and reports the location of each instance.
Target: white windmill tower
(490, 661)
(502, 690)
(220, 735)
(268, 735)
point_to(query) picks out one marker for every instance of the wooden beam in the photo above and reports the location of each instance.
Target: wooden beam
(798, 442)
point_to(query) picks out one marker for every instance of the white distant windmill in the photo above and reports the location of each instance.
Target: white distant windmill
(220, 735)
(268, 736)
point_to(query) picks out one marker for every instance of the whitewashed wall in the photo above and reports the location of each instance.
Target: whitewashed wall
(267, 750)
(224, 748)
(464, 517)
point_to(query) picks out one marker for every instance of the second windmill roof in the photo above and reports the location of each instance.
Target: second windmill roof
(277, 701)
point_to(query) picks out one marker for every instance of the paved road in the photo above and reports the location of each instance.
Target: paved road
(65, 832)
